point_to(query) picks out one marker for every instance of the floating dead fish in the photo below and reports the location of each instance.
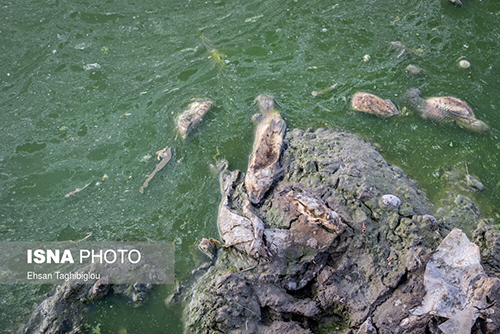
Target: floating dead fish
(373, 104)
(324, 91)
(164, 155)
(77, 190)
(414, 70)
(188, 119)
(446, 108)
(314, 210)
(263, 163)
(90, 67)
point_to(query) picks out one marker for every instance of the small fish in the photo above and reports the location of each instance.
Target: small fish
(77, 190)
(324, 91)
(164, 155)
(214, 53)
(190, 117)
(398, 46)
(314, 210)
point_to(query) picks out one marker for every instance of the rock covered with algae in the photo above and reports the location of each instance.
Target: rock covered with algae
(366, 277)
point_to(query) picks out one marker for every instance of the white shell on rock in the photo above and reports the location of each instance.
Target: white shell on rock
(391, 200)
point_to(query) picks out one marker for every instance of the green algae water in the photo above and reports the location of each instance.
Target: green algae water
(91, 88)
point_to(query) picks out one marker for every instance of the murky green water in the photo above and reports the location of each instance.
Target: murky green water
(91, 88)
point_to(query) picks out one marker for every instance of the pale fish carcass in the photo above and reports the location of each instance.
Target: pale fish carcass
(314, 210)
(263, 166)
(190, 117)
(446, 108)
(244, 233)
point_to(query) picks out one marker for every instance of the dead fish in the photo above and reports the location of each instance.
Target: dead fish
(243, 233)
(315, 210)
(324, 91)
(164, 155)
(414, 70)
(373, 104)
(446, 108)
(77, 190)
(263, 163)
(190, 117)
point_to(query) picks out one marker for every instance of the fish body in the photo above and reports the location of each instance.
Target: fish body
(190, 117)
(373, 104)
(314, 210)
(246, 232)
(263, 163)
(164, 156)
(446, 108)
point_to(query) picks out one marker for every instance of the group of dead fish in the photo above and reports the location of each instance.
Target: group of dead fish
(245, 233)
(446, 109)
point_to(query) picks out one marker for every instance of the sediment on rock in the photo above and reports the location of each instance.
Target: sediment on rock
(363, 278)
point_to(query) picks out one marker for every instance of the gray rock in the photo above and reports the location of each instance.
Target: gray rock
(448, 279)
(315, 274)
(367, 327)
(363, 278)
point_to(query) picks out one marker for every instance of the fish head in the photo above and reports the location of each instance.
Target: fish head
(413, 96)
(479, 126)
(265, 102)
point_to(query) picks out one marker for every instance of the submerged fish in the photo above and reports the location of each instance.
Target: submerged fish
(190, 117)
(164, 155)
(263, 163)
(214, 53)
(77, 190)
(398, 46)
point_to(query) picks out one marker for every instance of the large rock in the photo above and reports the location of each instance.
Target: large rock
(364, 277)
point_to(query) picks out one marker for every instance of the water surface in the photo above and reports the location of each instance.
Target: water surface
(91, 88)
